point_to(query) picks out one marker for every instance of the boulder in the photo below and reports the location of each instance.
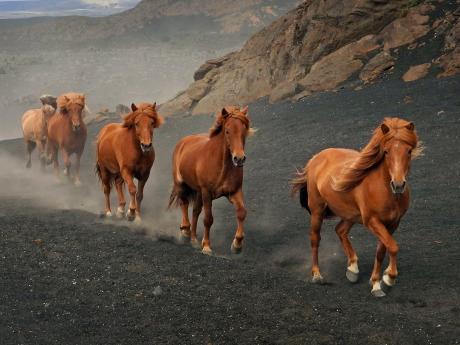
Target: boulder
(122, 109)
(416, 72)
(198, 90)
(335, 68)
(380, 63)
(283, 91)
(405, 30)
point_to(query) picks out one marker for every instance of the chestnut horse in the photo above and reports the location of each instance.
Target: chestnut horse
(35, 131)
(367, 187)
(67, 132)
(206, 167)
(124, 152)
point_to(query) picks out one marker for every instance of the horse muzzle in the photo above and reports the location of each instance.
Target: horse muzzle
(146, 147)
(238, 161)
(398, 187)
(76, 127)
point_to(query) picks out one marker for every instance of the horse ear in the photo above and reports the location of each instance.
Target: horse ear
(385, 129)
(245, 110)
(410, 126)
(224, 113)
(154, 106)
(133, 107)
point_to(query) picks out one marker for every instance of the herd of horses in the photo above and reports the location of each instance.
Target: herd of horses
(367, 187)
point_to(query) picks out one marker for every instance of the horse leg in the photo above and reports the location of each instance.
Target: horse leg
(30, 145)
(105, 178)
(238, 201)
(197, 207)
(185, 223)
(315, 237)
(66, 160)
(342, 230)
(208, 220)
(119, 185)
(391, 246)
(41, 153)
(139, 197)
(128, 178)
(77, 169)
(375, 276)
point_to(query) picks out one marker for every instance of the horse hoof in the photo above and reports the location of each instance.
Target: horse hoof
(195, 244)
(137, 220)
(28, 165)
(352, 276)
(77, 183)
(120, 214)
(317, 279)
(378, 293)
(235, 249)
(108, 214)
(388, 281)
(130, 215)
(206, 251)
(184, 237)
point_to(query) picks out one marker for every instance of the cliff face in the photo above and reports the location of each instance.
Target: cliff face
(317, 47)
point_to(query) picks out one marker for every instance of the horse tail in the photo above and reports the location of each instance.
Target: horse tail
(181, 193)
(299, 185)
(97, 170)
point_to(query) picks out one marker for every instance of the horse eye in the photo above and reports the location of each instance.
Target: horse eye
(385, 151)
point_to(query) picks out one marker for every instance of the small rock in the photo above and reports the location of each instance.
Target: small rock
(416, 72)
(157, 291)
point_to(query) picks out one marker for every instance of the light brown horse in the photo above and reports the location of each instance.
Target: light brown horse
(367, 187)
(124, 152)
(35, 131)
(67, 132)
(206, 167)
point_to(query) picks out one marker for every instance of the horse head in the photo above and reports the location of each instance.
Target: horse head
(143, 120)
(235, 125)
(399, 145)
(72, 104)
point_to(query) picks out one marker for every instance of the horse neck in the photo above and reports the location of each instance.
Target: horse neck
(384, 175)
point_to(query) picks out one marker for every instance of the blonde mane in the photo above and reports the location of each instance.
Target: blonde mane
(372, 154)
(146, 109)
(231, 111)
(63, 101)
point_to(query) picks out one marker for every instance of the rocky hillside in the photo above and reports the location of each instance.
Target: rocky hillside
(149, 19)
(323, 45)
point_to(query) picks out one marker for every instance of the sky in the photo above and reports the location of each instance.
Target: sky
(34, 8)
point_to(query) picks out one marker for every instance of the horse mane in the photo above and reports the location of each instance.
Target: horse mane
(224, 114)
(372, 154)
(63, 101)
(145, 109)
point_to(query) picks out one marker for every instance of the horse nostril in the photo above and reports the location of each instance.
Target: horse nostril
(243, 159)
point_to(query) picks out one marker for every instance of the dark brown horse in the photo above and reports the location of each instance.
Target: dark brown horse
(367, 187)
(124, 152)
(206, 167)
(67, 132)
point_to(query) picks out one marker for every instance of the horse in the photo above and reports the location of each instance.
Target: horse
(207, 167)
(67, 132)
(124, 152)
(367, 187)
(35, 131)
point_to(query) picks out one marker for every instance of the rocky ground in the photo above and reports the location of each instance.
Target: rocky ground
(68, 277)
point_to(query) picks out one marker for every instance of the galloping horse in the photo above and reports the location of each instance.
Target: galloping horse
(367, 187)
(125, 151)
(206, 167)
(35, 131)
(67, 131)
